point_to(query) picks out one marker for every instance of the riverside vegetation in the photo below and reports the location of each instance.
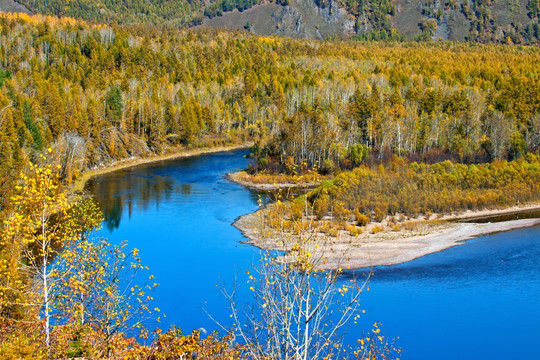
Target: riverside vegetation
(394, 212)
(410, 189)
(93, 94)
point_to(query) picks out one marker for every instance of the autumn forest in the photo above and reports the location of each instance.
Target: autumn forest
(414, 128)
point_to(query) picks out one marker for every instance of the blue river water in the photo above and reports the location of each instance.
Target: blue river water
(480, 300)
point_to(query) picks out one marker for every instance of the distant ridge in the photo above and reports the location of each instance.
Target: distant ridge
(501, 21)
(458, 20)
(300, 19)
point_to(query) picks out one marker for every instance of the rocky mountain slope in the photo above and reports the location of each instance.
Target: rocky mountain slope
(475, 20)
(506, 21)
(12, 6)
(299, 19)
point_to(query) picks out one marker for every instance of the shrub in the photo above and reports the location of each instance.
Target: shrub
(379, 214)
(361, 219)
(354, 230)
(328, 167)
(263, 162)
(297, 207)
(321, 206)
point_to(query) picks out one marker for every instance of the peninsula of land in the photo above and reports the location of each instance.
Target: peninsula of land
(388, 247)
(273, 182)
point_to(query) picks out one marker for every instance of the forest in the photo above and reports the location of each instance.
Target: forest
(404, 127)
(174, 14)
(98, 93)
(409, 189)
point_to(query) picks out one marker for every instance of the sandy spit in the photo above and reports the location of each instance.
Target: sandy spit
(238, 177)
(387, 247)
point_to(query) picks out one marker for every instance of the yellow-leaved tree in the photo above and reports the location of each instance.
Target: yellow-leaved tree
(98, 287)
(53, 273)
(42, 223)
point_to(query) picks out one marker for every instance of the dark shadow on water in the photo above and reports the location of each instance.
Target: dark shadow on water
(113, 214)
(185, 189)
(491, 257)
(116, 191)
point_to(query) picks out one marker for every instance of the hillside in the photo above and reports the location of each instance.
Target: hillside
(300, 19)
(474, 20)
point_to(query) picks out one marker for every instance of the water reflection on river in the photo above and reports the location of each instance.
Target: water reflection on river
(478, 301)
(131, 192)
(178, 213)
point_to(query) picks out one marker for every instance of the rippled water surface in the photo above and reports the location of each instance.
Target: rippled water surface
(476, 301)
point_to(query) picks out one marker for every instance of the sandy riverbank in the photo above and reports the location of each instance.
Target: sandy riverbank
(126, 163)
(387, 247)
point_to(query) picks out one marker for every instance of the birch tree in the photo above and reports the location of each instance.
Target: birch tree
(43, 223)
(60, 275)
(99, 284)
(300, 311)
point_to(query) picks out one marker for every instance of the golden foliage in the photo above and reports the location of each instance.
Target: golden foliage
(441, 188)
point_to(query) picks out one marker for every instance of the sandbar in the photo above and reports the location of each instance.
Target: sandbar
(387, 247)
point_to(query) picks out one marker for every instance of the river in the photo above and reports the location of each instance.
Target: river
(476, 301)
